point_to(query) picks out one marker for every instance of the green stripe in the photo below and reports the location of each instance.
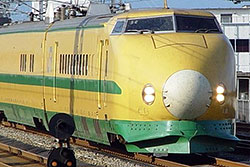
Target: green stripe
(65, 83)
(75, 28)
(53, 30)
(20, 32)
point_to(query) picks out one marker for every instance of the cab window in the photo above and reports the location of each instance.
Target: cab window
(197, 24)
(118, 27)
(150, 24)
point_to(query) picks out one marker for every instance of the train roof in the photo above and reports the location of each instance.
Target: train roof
(158, 12)
(41, 26)
(95, 20)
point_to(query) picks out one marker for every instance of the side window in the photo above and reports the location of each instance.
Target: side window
(226, 18)
(242, 45)
(23, 61)
(32, 56)
(118, 27)
(243, 91)
(77, 64)
(83, 64)
(87, 65)
(80, 64)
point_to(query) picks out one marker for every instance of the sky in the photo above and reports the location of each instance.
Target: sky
(188, 3)
(183, 4)
(20, 16)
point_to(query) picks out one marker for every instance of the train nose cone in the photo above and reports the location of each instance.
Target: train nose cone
(186, 94)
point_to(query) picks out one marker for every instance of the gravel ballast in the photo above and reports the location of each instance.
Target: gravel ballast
(86, 155)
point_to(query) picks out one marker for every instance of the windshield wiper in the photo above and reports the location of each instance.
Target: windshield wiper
(147, 30)
(209, 30)
(132, 30)
(141, 31)
(200, 30)
(206, 30)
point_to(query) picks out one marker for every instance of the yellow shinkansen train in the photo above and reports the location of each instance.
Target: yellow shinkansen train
(157, 81)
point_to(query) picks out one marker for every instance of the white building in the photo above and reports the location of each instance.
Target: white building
(235, 23)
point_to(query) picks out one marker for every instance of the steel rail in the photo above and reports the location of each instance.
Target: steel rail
(134, 156)
(21, 154)
(228, 163)
(242, 126)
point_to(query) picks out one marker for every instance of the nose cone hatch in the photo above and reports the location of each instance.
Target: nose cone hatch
(186, 94)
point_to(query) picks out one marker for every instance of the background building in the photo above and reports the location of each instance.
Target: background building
(4, 13)
(46, 8)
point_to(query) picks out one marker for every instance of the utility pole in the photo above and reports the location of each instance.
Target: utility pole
(112, 2)
(41, 9)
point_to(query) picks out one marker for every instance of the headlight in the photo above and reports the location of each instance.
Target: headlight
(220, 91)
(148, 94)
(220, 98)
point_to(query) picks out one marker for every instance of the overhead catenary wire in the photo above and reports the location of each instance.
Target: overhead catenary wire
(6, 6)
(29, 6)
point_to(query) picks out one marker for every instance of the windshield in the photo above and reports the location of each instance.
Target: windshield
(165, 24)
(150, 24)
(197, 24)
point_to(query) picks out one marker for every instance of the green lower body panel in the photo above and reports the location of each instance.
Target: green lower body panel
(181, 145)
(182, 137)
(159, 137)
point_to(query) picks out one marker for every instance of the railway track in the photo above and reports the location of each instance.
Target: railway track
(243, 126)
(174, 161)
(243, 133)
(228, 163)
(17, 154)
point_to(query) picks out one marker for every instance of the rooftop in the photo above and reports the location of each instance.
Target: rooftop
(158, 12)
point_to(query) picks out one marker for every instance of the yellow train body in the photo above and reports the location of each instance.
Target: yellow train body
(98, 77)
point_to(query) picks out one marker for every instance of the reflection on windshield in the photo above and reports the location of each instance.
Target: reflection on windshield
(197, 24)
(150, 24)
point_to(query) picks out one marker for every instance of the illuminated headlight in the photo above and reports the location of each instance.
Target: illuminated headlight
(220, 98)
(220, 91)
(148, 94)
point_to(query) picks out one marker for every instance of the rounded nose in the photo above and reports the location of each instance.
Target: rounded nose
(186, 94)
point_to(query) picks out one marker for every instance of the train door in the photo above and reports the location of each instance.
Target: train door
(102, 74)
(50, 72)
(49, 76)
